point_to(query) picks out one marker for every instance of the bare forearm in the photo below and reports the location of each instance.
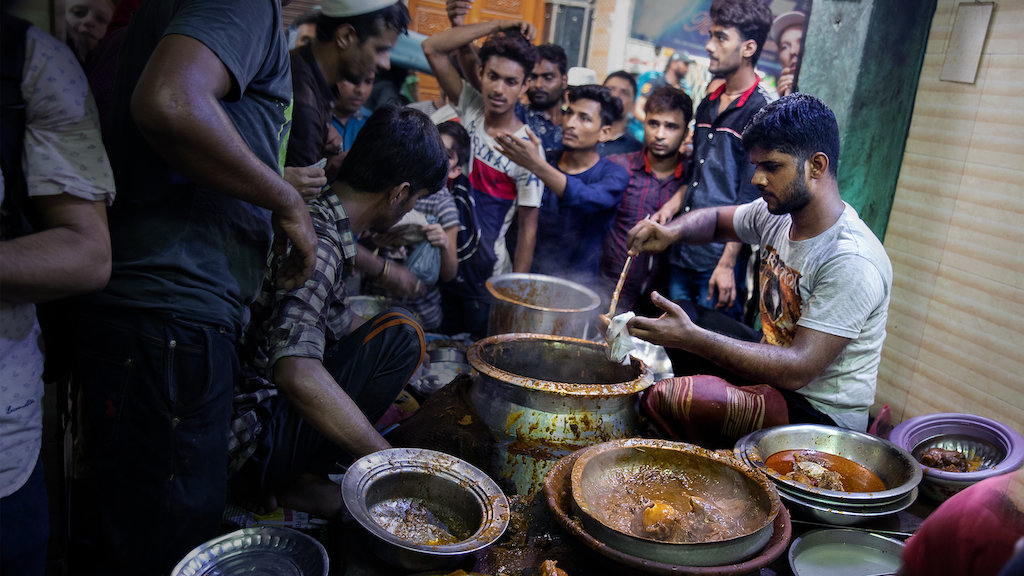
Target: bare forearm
(754, 361)
(322, 403)
(450, 256)
(729, 255)
(71, 255)
(527, 239)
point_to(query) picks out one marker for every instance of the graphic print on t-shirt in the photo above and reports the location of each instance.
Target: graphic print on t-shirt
(780, 298)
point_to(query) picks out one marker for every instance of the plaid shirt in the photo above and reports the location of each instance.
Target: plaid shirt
(302, 322)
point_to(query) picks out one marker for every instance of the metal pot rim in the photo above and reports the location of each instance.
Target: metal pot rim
(493, 503)
(595, 300)
(636, 385)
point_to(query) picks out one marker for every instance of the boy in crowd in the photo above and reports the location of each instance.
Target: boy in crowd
(581, 189)
(503, 192)
(545, 90)
(655, 174)
(621, 140)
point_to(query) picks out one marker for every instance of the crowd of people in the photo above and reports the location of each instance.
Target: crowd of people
(207, 308)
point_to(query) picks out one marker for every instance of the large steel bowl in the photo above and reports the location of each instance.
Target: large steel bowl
(544, 397)
(748, 497)
(539, 304)
(892, 464)
(999, 447)
(458, 494)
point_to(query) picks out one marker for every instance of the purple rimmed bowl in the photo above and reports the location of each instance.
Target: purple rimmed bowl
(999, 447)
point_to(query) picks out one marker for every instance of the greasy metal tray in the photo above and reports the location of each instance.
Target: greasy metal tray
(260, 551)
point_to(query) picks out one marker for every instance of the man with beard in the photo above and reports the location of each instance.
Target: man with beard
(317, 376)
(581, 189)
(829, 278)
(655, 173)
(708, 275)
(353, 40)
(545, 88)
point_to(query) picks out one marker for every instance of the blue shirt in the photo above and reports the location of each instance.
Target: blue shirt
(349, 129)
(550, 134)
(721, 168)
(571, 229)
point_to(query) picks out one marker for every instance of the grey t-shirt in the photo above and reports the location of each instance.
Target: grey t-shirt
(838, 283)
(179, 247)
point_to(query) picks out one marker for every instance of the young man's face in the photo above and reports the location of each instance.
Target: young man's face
(581, 125)
(664, 133)
(306, 34)
(454, 168)
(545, 85)
(725, 50)
(622, 90)
(790, 45)
(361, 58)
(501, 83)
(781, 180)
(352, 95)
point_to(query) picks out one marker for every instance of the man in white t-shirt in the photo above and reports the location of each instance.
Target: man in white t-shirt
(502, 191)
(825, 278)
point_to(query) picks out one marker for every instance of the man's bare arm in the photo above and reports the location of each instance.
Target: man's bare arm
(788, 367)
(176, 105)
(71, 255)
(313, 392)
(527, 238)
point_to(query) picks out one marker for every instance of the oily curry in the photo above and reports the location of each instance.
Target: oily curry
(824, 470)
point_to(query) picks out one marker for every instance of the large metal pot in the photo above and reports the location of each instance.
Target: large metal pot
(543, 397)
(539, 304)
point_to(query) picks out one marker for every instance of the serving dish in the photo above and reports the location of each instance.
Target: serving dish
(257, 551)
(840, 552)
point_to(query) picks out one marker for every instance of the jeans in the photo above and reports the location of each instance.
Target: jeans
(25, 527)
(692, 285)
(157, 401)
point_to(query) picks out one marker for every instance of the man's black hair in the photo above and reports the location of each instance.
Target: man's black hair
(397, 144)
(753, 18)
(798, 125)
(667, 99)
(306, 18)
(625, 76)
(555, 54)
(460, 139)
(396, 17)
(511, 46)
(611, 108)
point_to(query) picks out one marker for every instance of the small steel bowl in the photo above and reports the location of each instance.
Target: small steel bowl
(597, 467)
(450, 488)
(842, 551)
(257, 551)
(893, 465)
(1000, 448)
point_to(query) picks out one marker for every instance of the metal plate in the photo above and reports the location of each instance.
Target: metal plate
(844, 553)
(260, 551)
(845, 515)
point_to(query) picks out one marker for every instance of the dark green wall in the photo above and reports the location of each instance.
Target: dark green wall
(863, 58)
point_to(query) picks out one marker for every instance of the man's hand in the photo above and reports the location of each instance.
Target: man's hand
(526, 153)
(648, 236)
(785, 84)
(308, 181)
(294, 236)
(529, 31)
(457, 11)
(722, 283)
(671, 329)
(436, 235)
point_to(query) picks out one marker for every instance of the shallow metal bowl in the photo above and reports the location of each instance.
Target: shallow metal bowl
(844, 553)
(367, 306)
(258, 551)
(1000, 448)
(893, 465)
(451, 489)
(597, 473)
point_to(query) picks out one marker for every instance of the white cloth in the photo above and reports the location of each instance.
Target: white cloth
(838, 283)
(343, 8)
(620, 344)
(63, 154)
